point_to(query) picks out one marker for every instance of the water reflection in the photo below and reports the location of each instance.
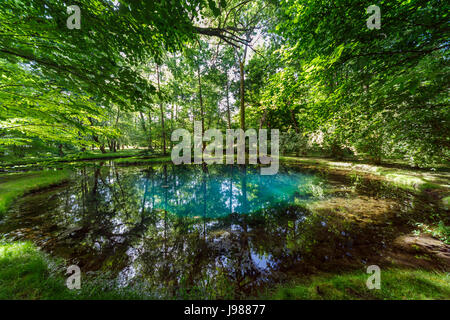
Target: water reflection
(216, 231)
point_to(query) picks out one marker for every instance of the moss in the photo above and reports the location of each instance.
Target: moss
(396, 284)
(15, 185)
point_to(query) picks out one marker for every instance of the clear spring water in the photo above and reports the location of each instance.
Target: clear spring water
(217, 231)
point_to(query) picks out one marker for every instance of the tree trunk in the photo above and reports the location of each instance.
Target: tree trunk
(150, 132)
(95, 138)
(242, 111)
(171, 124)
(201, 103)
(294, 121)
(144, 127)
(228, 104)
(263, 119)
(162, 114)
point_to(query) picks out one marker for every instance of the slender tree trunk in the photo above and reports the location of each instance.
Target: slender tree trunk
(242, 111)
(144, 127)
(95, 138)
(294, 121)
(162, 114)
(228, 104)
(263, 119)
(201, 103)
(193, 117)
(150, 132)
(114, 142)
(171, 124)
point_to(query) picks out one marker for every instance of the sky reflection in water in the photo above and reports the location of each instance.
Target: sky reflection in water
(220, 231)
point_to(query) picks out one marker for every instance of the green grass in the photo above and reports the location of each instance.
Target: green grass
(396, 284)
(142, 160)
(439, 231)
(15, 185)
(24, 272)
(80, 156)
(27, 273)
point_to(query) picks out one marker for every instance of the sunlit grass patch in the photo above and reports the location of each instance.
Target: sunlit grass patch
(15, 185)
(142, 160)
(70, 157)
(409, 179)
(439, 231)
(396, 284)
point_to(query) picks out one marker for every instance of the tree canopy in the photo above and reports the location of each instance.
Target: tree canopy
(136, 70)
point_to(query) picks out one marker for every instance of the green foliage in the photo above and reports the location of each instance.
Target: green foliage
(24, 271)
(67, 87)
(49, 160)
(141, 160)
(293, 143)
(382, 92)
(311, 67)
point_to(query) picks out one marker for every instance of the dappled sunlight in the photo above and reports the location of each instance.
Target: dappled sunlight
(361, 209)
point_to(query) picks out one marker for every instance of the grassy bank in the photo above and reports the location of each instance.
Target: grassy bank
(412, 179)
(395, 284)
(27, 273)
(141, 160)
(80, 156)
(403, 177)
(14, 185)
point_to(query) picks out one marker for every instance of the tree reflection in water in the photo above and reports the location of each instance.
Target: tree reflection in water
(215, 231)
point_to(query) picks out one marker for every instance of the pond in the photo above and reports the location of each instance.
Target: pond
(215, 231)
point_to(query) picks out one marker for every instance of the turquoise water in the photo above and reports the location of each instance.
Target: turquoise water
(216, 191)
